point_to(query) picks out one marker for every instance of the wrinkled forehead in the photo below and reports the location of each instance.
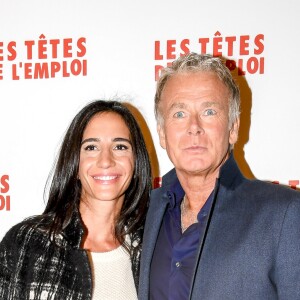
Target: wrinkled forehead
(182, 88)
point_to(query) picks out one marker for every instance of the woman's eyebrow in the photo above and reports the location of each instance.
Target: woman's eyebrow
(88, 140)
(120, 139)
(117, 139)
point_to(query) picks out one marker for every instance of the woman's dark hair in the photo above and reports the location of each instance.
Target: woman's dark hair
(65, 188)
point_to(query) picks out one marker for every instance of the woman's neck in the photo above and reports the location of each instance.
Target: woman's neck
(99, 222)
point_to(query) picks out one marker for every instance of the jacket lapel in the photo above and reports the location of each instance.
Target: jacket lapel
(158, 205)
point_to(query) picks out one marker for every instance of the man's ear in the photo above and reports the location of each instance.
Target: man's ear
(161, 135)
(234, 132)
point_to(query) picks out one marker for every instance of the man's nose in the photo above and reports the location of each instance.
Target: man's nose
(195, 126)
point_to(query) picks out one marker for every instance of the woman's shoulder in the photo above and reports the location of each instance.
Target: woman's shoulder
(29, 227)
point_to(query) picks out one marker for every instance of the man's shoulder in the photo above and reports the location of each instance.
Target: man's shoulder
(169, 178)
(159, 194)
(268, 187)
(263, 195)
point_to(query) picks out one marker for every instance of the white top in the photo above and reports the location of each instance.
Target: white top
(112, 275)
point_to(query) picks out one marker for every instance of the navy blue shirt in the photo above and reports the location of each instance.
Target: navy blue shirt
(175, 252)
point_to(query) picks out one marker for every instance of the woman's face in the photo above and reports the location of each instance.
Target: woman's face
(106, 159)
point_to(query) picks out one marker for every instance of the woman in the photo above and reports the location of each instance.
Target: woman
(87, 243)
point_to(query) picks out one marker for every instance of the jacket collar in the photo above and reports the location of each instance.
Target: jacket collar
(230, 174)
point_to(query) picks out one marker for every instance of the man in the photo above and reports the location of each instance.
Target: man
(211, 233)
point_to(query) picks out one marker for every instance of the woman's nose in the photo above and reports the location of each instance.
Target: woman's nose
(105, 159)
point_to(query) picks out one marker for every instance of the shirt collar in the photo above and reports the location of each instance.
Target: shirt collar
(228, 173)
(175, 193)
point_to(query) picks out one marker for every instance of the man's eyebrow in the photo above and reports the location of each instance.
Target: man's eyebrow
(210, 103)
(118, 139)
(177, 105)
(181, 105)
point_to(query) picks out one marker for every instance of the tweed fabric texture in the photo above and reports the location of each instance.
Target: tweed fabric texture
(32, 267)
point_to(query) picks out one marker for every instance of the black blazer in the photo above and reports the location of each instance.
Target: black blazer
(33, 267)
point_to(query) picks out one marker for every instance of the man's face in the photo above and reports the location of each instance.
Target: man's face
(195, 131)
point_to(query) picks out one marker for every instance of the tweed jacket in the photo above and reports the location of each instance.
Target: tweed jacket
(251, 246)
(34, 267)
